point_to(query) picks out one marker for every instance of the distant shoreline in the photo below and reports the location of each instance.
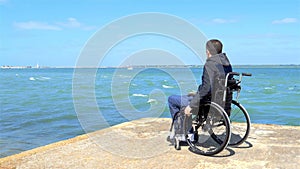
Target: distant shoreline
(149, 66)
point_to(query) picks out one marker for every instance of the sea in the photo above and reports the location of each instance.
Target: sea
(43, 106)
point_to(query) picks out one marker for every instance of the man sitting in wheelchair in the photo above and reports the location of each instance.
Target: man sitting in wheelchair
(216, 67)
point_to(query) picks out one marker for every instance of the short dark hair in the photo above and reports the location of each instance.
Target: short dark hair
(214, 46)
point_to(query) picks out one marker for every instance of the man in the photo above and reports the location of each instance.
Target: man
(216, 67)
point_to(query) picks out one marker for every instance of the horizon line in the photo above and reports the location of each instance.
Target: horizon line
(147, 66)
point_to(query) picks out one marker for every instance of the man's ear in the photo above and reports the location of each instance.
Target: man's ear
(208, 53)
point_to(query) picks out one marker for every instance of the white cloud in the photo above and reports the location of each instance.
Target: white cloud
(285, 21)
(35, 25)
(3, 1)
(222, 21)
(71, 23)
(74, 23)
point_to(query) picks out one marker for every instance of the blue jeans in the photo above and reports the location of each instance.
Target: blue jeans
(176, 102)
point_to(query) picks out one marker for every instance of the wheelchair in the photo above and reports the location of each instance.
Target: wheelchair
(213, 128)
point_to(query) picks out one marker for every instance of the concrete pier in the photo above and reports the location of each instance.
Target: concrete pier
(142, 144)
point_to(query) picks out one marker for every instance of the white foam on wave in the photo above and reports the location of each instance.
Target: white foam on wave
(167, 87)
(139, 95)
(152, 101)
(268, 88)
(32, 78)
(44, 78)
(41, 78)
(124, 76)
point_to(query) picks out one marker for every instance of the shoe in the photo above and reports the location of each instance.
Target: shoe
(168, 139)
(191, 137)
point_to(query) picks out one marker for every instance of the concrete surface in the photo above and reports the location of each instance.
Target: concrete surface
(142, 144)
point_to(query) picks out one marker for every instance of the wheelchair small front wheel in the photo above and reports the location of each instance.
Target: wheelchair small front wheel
(177, 144)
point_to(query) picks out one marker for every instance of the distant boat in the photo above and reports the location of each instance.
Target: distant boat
(37, 66)
(130, 68)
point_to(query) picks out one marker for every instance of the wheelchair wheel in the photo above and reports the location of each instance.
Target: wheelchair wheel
(240, 124)
(207, 133)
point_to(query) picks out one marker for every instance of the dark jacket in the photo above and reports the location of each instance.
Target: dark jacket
(215, 68)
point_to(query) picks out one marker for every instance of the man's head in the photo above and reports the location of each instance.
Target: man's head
(213, 47)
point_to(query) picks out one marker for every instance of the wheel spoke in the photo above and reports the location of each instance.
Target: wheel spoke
(212, 133)
(240, 124)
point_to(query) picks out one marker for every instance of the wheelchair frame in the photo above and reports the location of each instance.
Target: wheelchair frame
(217, 128)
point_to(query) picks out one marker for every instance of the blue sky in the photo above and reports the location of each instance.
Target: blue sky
(53, 32)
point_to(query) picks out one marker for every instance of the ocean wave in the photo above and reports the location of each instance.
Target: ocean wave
(44, 78)
(124, 76)
(41, 78)
(268, 88)
(152, 101)
(32, 78)
(167, 87)
(139, 95)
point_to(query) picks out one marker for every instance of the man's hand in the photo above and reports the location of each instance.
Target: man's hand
(187, 110)
(191, 94)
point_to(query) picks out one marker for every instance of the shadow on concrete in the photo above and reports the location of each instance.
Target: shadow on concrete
(225, 153)
(246, 144)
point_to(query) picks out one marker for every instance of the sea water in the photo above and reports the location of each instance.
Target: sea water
(37, 105)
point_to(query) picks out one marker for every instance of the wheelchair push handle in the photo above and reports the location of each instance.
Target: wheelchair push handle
(246, 74)
(238, 82)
